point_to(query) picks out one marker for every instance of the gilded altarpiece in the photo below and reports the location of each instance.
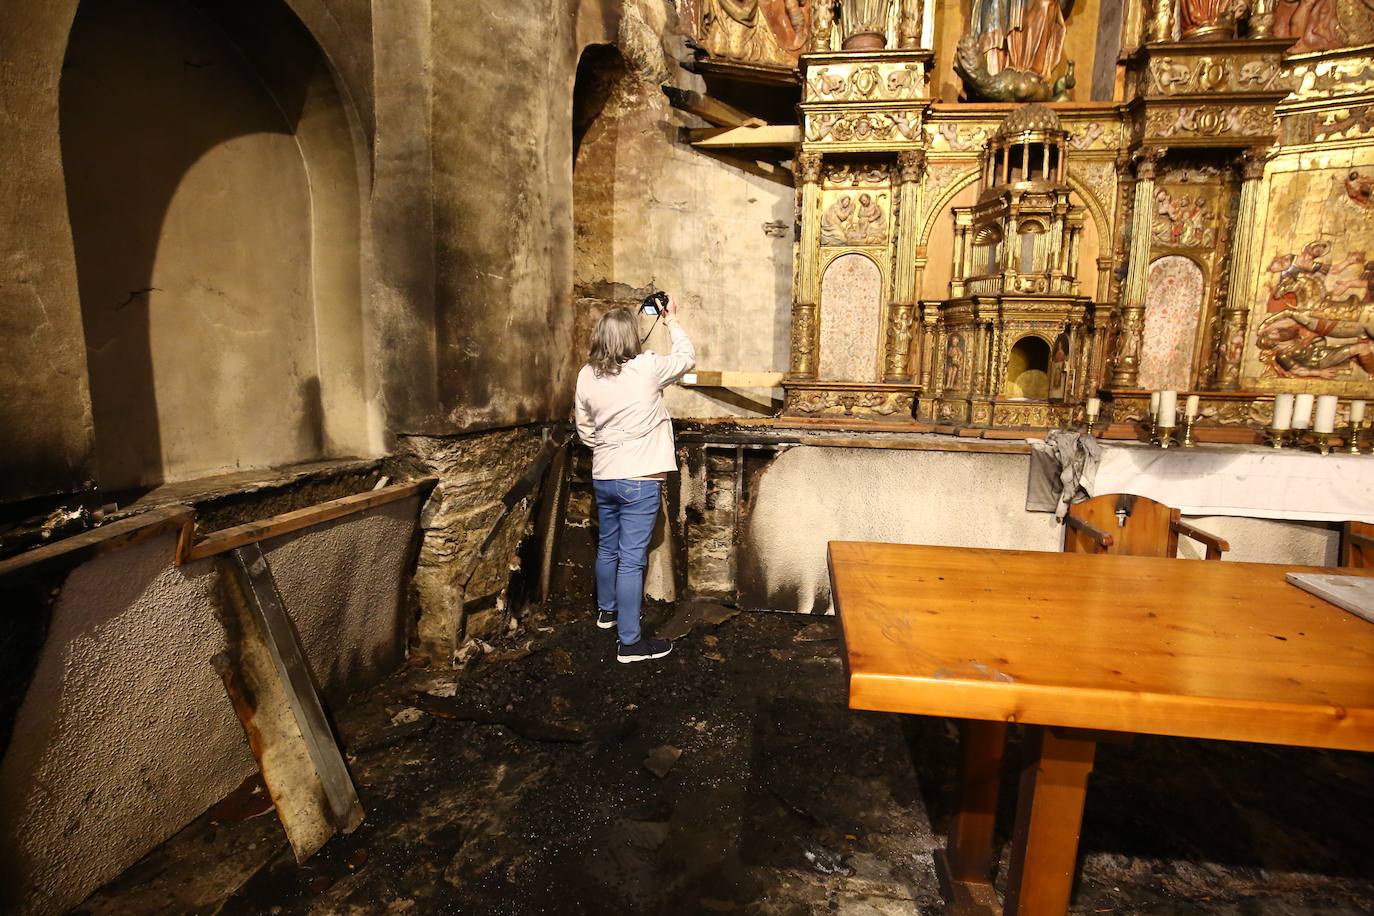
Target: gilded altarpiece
(1223, 209)
(858, 175)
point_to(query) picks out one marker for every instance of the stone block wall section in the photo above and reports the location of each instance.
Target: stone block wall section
(474, 472)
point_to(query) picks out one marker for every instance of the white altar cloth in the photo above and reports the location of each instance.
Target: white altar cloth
(1253, 481)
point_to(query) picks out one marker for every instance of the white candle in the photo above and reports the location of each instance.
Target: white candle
(1356, 412)
(1094, 406)
(1326, 414)
(1302, 411)
(1154, 403)
(1283, 411)
(1190, 409)
(1168, 408)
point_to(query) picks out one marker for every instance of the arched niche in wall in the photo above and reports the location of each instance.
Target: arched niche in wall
(850, 312)
(1173, 308)
(1028, 368)
(214, 192)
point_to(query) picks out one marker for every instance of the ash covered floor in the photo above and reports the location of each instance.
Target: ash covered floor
(526, 785)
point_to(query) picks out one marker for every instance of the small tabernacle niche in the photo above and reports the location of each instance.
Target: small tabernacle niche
(1028, 369)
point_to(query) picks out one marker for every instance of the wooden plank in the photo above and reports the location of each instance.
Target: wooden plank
(765, 135)
(728, 379)
(713, 111)
(114, 536)
(277, 525)
(268, 680)
(920, 445)
(1117, 643)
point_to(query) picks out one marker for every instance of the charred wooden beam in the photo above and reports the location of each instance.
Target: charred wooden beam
(713, 111)
(268, 681)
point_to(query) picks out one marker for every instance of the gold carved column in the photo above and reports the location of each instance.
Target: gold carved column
(1235, 314)
(805, 330)
(1126, 360)
(911, 166)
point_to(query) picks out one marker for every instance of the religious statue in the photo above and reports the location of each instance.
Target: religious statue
(756, 31)
(1012, 48)
(1209, 18)
(954, 362)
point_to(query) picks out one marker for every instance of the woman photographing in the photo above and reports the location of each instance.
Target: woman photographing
(622, 418)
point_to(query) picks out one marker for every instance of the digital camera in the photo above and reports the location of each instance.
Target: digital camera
(654, 304)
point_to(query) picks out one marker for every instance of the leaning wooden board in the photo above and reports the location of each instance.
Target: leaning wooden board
(1352, 593)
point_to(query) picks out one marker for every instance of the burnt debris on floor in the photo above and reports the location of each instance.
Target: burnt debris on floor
(543, 777)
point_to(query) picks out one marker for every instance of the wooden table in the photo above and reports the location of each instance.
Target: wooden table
(1087, 648)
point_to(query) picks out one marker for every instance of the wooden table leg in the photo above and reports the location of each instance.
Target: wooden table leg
(1049, 813)
(965, 866)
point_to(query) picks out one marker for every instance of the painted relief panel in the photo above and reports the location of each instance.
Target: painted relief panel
(1312, 321)
(855, 205)
(1183, 219)
(1173, 306)
(1320, 25)
(855, 219)
(851, 308)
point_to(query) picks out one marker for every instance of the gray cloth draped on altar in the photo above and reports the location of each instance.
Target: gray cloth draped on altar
(1062, 471)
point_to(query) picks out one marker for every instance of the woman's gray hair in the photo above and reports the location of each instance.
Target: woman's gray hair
(615, 341)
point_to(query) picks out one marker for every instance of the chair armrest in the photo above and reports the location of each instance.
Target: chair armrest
(1215, 546)
(1102, 539)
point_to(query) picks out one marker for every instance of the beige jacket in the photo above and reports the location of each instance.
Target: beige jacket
(622, 417)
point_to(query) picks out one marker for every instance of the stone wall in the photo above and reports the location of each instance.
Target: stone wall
(474, 472)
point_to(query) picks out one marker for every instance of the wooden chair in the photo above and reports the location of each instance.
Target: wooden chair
(1357, 545)
(1134, 526)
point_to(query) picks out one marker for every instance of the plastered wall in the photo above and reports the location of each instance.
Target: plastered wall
(653, 213)
(439, 277)
(126, 733)
(810, 496)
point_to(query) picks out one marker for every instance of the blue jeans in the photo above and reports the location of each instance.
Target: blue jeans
(626, 510)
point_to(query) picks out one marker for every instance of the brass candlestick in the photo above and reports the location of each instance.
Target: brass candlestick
(1188, 432)
(1352, 445)
(1277, 437)
(1317, 442)
(1166, 436)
